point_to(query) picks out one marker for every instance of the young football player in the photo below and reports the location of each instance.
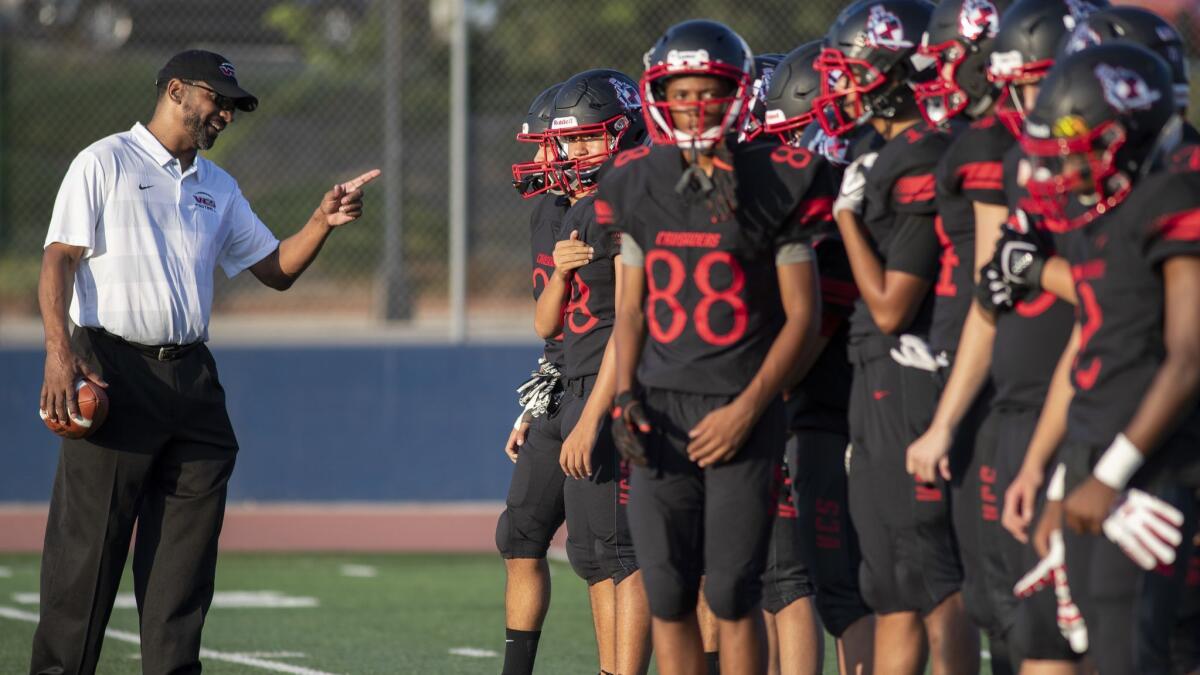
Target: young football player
(718, 297)
(595, 114)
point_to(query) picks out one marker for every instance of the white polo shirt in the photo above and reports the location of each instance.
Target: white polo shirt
(153, 238)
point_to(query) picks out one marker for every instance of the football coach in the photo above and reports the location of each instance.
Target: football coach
(140, 223)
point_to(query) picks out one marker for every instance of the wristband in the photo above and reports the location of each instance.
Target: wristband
(1058, 484)
(1119, 462)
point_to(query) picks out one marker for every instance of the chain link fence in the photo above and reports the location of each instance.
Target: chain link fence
(345, 85)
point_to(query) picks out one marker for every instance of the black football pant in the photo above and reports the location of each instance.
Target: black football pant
(163, 460)
(787, 578)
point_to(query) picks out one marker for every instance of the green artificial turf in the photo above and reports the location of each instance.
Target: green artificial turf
(405, 619)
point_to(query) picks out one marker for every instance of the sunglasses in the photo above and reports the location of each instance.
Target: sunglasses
(223, 102)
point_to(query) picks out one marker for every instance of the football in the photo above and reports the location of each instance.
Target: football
(93, 409)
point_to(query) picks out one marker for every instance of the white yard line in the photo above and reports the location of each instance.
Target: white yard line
(5, 573)
(474, 652)
(360, 571)
(221, 600)
(228, 657)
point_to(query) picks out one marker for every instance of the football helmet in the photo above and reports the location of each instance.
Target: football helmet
(601, 105)
(1030, 34)
(794, 88)
(1143, 27)
(865, 64)
(958, 42)
(533, 178)
(764, 71)
(1101, 119)
(697, 47)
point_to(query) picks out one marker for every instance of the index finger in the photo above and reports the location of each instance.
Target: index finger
(362, 180)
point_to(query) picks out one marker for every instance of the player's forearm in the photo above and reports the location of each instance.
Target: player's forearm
(1056, 278)
(600, 400)
(1052, 423)
(548, 316)
(627, 340)
(801, 305)
(988, 220)
(890, 308)
(972, 361)
(1173, 392)
(55, 286)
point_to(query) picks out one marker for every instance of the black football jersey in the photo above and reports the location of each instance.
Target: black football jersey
(1116, 264)
(899, 212)
(822, 398)
(1030, 338)
(544, 223)
(971, 171)
(712, 297)
(588, 315)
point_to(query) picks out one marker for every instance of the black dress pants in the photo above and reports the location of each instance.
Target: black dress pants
(162, 460)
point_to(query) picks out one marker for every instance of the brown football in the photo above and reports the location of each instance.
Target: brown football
(93, 409)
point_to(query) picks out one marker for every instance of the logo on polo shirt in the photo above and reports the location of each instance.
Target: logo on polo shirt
(205, 201)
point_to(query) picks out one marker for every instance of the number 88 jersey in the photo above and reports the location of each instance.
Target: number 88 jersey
(712, 306)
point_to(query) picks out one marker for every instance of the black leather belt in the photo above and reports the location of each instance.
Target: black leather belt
(158, 352)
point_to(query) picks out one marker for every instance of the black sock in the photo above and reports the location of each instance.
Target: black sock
(713, 659)
(520, 649)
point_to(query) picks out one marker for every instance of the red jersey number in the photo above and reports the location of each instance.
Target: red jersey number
(702, 277)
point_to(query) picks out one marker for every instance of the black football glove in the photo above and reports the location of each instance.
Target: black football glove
(1020, 255)
(993, 292)
(629, 426)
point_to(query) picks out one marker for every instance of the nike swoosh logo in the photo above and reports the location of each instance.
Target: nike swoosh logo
(880, 394)
(144, 187)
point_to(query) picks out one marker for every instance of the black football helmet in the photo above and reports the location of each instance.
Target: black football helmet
(533, 178)
(697, 47)
(865, 64)
(598, 104)
(1102, 118)
(958, 42)
(792, 92)
(764, 71)
(1143, 27)
(1024, 50)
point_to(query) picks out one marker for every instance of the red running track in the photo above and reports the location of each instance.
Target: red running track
(427, 528)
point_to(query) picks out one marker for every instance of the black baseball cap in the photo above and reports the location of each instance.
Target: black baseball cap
(213, 69)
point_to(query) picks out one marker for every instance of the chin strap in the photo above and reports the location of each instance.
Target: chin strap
(694, 181)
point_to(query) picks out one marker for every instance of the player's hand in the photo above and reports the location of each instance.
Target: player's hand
(1088, 505)
(854, 185)
(929, 455)
(344, 202)
(1020, 501)
(1050, 521)
(575, 458)
(721, 433)
(1020, 254)
(629, 428)
(993, 291)
(58, 398)
(1146, 528)
(571, 254)
(516, 438)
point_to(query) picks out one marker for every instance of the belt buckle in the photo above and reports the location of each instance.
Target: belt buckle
(162, 353)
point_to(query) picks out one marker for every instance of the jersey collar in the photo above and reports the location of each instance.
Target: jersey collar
(161, 156)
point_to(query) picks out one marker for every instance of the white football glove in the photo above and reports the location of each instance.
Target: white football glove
(1053, 570)
(914, 352)
(854, 185)
(540, 394)
(1146, 528)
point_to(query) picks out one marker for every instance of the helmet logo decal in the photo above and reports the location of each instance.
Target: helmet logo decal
(763, 84)
(978, 18)
(690, 58)
(564, 122)
(627, 94)
(1077, 12)
(885, 30)
(1124, 89)
(1081, 38)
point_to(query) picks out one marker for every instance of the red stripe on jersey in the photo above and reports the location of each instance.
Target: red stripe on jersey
(915, 189)
(982, 176)
(1035, 307)
(1181, 226)
(604, 212)
(838, 292)
(815, 210)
